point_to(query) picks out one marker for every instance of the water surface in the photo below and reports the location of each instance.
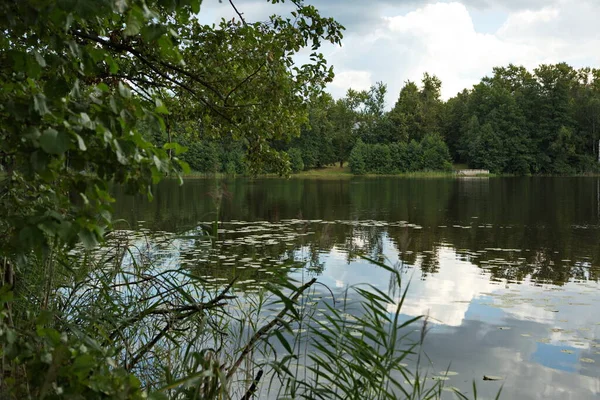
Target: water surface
(506, 268)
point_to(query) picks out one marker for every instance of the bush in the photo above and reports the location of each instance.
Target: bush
(436, 156)
(233, 160)
(357, 158)
(414, 154)
(400, 159)
(296, 162)
(431, 154)
(44, 362)
(202, 156)
(230, 169)
(379, 160)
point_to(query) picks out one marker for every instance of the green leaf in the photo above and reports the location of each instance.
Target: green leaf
(6, 294)
(40, 60)
(160, 107)
(32, 133)
(284, 342)
(112, 64)
(175, 146)
(33, 68)
(54, 142)
(152, 32)
(119, 152)
(185, 167)
(135, 21)
(88, 239)
(39, 104)
(124, 91)
(11, 336)
(80, 143)
(56, 87)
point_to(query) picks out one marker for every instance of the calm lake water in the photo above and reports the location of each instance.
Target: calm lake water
(506, 268)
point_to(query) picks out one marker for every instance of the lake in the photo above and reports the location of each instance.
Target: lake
(506, 268)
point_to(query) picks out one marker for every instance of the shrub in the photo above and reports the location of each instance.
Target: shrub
(233, 160)
(436, 156)
(202, 156)
(296, 162)
(379, 159)
(399, 154)
(414, 154)
(44, 362)
(357, 158)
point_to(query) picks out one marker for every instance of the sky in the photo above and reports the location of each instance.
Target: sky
(460, 41)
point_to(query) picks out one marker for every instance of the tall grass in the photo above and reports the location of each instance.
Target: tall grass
(186, 337)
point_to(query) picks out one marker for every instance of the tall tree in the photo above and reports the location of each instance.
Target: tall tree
(81, 79)
(407, 114)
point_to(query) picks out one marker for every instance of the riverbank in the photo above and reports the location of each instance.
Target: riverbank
(337, 172)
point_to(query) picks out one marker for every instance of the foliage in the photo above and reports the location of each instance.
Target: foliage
(528, 122)
(45, 363)
(357, 159)
(93, 95)
(296, 162)
(544, 121)
(436, 156)
(431, 155)
(378, 159)
(201, 156)
(316, 141)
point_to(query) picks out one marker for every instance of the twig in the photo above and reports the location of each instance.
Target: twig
(263, 331)
(191, 309)
(237, 12)
(125, 48)
(253, 387)
(246, 79)
(146, 348)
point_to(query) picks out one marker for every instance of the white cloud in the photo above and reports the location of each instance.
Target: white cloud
(446, 296)
(359, 80)
(441, 39)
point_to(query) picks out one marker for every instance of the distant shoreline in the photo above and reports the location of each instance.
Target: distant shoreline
(335, 172)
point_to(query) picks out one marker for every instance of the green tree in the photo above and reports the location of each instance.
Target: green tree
(485, 148)
(436, 156)
(555, 111)
(414, 153)
(407, 114)
(296, 161)
(379, 159)
(455, 117)
(344, 122)
(202, 156)
(562, 151)
(86, 90)
(400, 157)
(357, 158)
(431, 105)
(316, 138)
(80, 78)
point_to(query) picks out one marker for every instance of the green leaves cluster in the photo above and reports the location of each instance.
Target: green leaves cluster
(431, 154)
(42, 362)
(93, 94)
(88, 88)
(516, 122)
(523, 122)
(335, 126)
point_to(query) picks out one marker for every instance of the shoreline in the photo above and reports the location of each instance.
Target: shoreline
(344, 173)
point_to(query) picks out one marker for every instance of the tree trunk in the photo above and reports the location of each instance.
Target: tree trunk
(341, 164)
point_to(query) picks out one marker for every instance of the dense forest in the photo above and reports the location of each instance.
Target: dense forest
(514, 122)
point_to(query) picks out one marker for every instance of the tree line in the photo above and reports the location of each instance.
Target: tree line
(545, 121)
